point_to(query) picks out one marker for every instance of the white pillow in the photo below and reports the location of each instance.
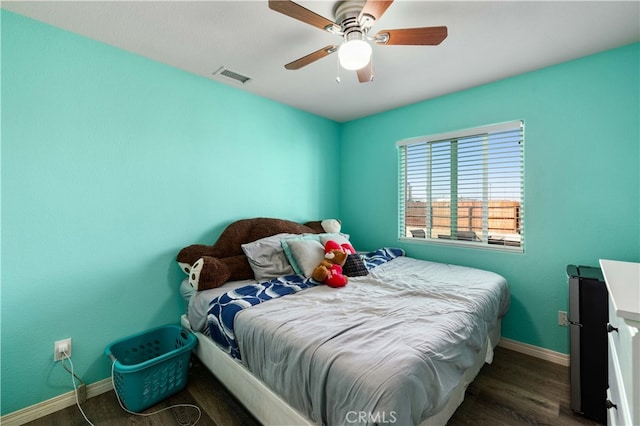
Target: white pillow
(308, 253)
(266, 257)
(323, 238)
(338, 238)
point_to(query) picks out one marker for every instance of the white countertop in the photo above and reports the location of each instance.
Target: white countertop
(623, 283)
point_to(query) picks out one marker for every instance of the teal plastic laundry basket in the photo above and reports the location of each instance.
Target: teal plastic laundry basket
(150, 366)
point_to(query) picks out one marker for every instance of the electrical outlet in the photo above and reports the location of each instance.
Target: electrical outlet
(62, 349)
(562, 319)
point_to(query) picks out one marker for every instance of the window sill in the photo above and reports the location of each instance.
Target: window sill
(463, 244)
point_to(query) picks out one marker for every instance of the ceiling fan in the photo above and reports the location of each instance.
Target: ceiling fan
(355, 18)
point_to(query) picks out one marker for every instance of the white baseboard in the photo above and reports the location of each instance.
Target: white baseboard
(52, 405)
(68, 399)
(535, 351)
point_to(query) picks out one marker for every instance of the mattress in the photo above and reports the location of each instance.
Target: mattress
(197, 302)
(390, 347)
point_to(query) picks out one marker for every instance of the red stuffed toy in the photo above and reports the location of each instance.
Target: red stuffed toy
(345, 247)
(329, 271)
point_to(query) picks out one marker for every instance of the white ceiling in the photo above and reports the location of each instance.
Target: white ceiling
(488, 41)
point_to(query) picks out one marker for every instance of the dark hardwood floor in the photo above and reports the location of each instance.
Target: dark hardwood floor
(516, 389)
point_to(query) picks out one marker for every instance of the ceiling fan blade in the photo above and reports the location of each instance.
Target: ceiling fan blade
(375, 8)
(311, 57)
(295, 11)
(365, 74)
(431, 36)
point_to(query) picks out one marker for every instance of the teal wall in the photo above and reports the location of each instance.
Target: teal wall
(582, 178)
(110, 164)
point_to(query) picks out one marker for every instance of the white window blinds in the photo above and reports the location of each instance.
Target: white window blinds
(464, 187)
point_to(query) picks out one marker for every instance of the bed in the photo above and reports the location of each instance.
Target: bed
(396, 346)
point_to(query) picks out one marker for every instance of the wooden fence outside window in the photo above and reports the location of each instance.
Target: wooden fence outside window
(503, 217)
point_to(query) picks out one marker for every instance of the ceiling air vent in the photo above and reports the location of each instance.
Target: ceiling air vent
(232, 75)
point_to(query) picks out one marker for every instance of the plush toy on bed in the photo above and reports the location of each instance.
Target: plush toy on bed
(329, 271)
(212, 266)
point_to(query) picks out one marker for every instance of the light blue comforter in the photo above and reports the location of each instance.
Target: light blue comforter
(387, 348)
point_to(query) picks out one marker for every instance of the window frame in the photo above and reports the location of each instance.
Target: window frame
(452, 138)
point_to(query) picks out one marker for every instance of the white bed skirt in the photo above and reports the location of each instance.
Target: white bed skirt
(270, 409)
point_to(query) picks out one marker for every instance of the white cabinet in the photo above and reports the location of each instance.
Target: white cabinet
(623, 284)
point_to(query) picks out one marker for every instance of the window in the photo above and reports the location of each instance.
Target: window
(464, 187)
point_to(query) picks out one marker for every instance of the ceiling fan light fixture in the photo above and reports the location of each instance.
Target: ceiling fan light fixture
(354, 54)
